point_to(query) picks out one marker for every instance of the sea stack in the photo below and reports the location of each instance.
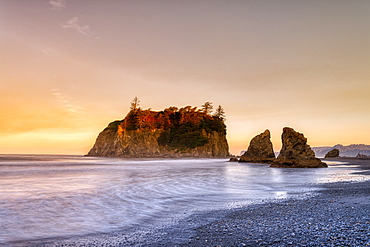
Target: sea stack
(332, 154)
(171, 133)
(260, 150)
(295, 152)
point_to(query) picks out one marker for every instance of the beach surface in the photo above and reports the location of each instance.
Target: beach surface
(338, 214)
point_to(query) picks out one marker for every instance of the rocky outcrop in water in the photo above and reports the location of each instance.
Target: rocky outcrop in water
(260, 150)
(184, 132)
(332, 154)
(295, 152)
(345, 151)
(362, 156)
(233, 159)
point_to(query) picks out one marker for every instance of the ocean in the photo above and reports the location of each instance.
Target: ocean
(51, 196)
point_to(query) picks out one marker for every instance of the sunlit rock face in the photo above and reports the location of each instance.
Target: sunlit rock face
(260, 150)
(332, 154)
(144, 144)
(295, 152)
(173, 133)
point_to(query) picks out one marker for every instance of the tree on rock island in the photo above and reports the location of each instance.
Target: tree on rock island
(220, 113)
(207, 107)
(172, 132)
(135, 104)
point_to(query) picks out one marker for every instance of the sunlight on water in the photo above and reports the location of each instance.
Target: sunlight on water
(50, 196)
(281, 194)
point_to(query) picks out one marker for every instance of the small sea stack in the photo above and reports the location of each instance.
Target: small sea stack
(233, 159)
(260, 150)
(295, 152)
(332, 154)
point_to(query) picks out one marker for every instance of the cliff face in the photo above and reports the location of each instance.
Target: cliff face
(185, 132)
(144, 144)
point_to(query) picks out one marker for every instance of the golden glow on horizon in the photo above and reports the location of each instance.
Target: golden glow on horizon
(67, 71)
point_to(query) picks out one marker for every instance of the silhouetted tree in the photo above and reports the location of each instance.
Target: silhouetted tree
(135, 104)
(220, 113)
(207, 107)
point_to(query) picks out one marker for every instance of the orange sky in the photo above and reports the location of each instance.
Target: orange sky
(68, 68)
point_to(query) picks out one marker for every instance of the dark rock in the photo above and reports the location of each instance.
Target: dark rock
(233, 159)
(332, 153)
(348, 151)
(260, 150)
(362, 156)
(295, 152)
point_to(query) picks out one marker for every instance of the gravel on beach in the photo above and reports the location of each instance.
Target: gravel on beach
(338, 215)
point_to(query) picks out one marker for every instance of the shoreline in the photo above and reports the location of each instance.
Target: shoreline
(338, 214)
(354, 160)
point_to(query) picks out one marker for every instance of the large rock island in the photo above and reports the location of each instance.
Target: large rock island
(173, 132)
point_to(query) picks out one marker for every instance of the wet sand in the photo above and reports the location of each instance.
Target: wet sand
(337, 215)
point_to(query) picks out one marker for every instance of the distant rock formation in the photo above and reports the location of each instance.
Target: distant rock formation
(362, 156)
(233, 159)
(295, 152)
(173, 132)
(332, 154)
(260, 150)
(345, 151)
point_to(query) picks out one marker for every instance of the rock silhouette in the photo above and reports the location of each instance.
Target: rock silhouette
(332, 154)
(233, 159)
(295, 152)
(260, 150)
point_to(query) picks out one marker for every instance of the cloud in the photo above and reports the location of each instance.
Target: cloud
(57, 4)
(73, 24)
(47, 51)
(66, 104)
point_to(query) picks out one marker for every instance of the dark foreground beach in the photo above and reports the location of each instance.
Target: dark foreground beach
(338, 215)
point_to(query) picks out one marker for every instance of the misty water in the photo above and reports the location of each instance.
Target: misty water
(45, 196)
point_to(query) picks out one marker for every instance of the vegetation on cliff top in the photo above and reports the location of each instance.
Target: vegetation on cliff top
(184, 127)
